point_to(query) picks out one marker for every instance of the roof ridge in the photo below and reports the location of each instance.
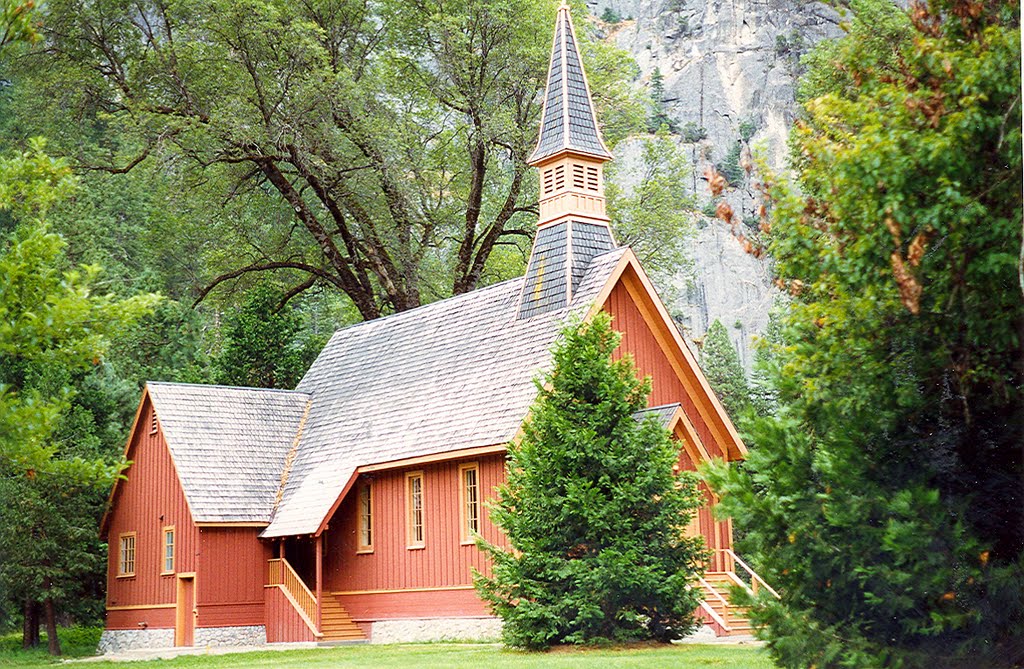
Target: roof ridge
(224, 387)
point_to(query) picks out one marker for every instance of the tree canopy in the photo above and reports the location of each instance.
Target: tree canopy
(883, 499)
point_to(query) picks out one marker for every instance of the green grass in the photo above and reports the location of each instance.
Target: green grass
(470, 656)
(74, 642)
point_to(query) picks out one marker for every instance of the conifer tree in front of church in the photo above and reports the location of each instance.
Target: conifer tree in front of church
(593, 510)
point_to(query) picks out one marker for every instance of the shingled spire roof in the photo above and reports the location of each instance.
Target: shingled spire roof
(568, 122)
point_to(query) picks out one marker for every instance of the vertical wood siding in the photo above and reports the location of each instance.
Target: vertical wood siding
(462, 603)
(639, 341)
(231, 573)
(650, 360)
(282, 621)
(442, 562)
(148, 500)
(130, 620)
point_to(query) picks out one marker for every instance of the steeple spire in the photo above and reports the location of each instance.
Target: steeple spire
(570, 154)
(568, 122)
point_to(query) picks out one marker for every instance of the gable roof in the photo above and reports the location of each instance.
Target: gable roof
(465, 380)
(568, 121)
(228, 445)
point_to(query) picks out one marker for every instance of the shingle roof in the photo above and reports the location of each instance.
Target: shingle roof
(560, 257)
(663, 414)
(568, 120)
(228, 445)
(450, 375)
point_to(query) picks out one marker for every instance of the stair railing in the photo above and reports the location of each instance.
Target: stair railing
(281, 573)
(756, 582)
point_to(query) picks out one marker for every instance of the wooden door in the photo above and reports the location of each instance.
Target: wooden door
(184, 620)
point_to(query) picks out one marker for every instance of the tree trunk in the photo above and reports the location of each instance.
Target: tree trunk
(53, 643)
(30, 626)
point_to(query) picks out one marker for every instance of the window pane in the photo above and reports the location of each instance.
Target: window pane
(365, 517)
(470, 495)
(416, 509)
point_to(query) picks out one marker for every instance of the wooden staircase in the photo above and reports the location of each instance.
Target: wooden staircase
(336, 624)
(731, 619)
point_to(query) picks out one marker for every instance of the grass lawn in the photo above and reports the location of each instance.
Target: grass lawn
(474, 656)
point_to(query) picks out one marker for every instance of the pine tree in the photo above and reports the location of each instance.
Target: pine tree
(261, 346)
(721, 365)
(592, 510)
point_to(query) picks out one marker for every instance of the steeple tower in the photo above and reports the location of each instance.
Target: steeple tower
(570, 155)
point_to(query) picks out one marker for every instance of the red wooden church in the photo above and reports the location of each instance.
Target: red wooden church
(346, 509)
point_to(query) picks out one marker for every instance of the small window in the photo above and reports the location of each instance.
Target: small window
(126, 554)
(365, 519)
(559, 177)
(152, 423)
(592, 178)
(168, 556)
(414, 484)
(469, 497)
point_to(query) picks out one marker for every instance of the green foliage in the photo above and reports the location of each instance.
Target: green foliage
(657, 117)
(609, 15)
(721, 365)
(692, 133)
(882, 501)
(377, 150)
(49, 318)
(262, 346)
(747, 129)
(592, 510)
(16, 24)
(651, 209)
(730, 167)
(56, 461)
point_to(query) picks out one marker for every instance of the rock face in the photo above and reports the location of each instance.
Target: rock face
(729, 69)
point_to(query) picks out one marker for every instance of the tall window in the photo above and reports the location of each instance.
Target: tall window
(469, 498)
(414, 484)
(365, 518)
(126, 554)
(168, 556)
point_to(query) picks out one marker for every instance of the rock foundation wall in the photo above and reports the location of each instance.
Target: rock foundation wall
(115, 641)
(435, 629)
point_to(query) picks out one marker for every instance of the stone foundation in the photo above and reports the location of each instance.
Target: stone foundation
(115, 641)
(435, 629)
(253, 635)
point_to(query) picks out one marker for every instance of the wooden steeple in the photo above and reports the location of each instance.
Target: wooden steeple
(570, 155)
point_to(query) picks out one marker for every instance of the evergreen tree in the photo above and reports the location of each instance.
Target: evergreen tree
(262, 347)
(883, 499)
(592, 510)
(721, 365)
(658, 117)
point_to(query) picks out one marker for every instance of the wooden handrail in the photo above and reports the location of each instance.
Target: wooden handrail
(755, 580)
(714, 616)
(282, 574)
(709, 588)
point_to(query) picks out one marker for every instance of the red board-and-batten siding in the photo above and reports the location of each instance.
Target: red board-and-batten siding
(147, 501)
(229, 563)
(395, 580)
(651, 360)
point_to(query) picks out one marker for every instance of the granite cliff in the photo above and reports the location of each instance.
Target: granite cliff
(729, 70)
